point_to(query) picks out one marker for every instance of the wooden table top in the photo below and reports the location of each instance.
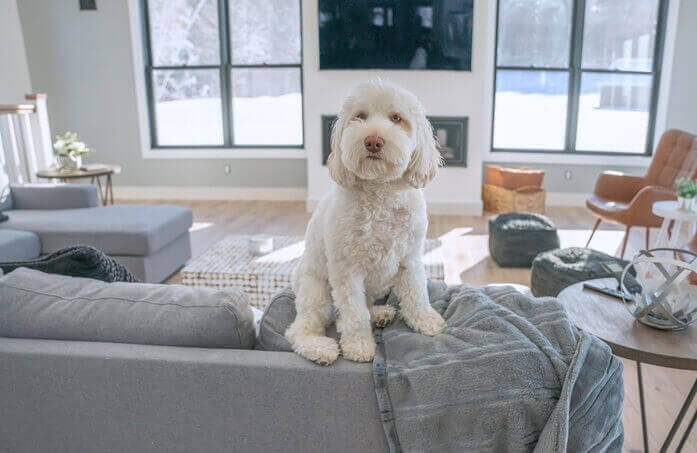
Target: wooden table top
(609, 320)
(68, 174)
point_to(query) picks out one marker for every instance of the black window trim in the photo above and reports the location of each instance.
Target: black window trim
(225, 67)
(575, 70)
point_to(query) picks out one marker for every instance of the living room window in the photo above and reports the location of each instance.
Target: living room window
(223, 73)
(577, 76)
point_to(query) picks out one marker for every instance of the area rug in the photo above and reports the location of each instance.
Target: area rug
(229, 264)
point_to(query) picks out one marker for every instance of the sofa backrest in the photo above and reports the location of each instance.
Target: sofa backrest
(48, 306)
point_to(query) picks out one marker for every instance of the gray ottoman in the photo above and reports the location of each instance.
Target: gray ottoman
(515, 239)
(554, 270)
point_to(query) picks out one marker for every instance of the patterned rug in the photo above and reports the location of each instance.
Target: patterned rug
(229, 263)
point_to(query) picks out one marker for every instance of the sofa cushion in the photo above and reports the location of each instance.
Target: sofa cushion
(136, 230)
(18, 246)
(48, 306)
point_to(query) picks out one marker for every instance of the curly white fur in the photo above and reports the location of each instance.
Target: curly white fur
(367, 236)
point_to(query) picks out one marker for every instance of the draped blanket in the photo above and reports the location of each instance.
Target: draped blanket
(77, 261)
(509, 373)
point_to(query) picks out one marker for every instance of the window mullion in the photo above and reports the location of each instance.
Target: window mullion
(575, 57)
(225, 86)
(656, 79)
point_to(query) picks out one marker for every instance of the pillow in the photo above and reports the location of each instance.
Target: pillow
(57, 307)
(279, 314)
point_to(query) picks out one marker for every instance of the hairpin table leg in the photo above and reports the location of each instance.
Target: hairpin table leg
(681, 415)
(642, 406)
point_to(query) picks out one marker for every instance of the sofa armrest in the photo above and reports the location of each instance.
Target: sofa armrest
(644, 199)
(53, 196)
(613, 185)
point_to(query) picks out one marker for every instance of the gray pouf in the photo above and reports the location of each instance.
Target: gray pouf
(515, 239)
(554, 270)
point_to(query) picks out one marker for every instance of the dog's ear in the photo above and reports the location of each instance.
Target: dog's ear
(337, 170)
(426, 158)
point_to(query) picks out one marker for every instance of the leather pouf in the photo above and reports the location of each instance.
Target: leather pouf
(515, 239)
(554, 270)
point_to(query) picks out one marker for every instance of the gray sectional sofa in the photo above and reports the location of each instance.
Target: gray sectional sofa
(97, 394)
(153, 242)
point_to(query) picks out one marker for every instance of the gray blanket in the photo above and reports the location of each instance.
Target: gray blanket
(77, 261)
(510, 373)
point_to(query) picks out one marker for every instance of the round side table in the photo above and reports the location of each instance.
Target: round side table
(670, 212)
(607, 319)
(105, 189)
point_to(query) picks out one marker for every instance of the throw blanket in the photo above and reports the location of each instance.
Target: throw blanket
(78, 261)
(510, 373)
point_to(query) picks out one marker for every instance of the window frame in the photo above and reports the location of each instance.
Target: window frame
(225, 68)
(575, 71)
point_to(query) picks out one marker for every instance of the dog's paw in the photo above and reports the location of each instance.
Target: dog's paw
(382, 315)
(427, 322)
(320, 349)
(358, 347)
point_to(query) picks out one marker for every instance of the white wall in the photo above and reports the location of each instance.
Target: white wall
(83, 60)
(682, 107)
(443, 93)
(14, 72)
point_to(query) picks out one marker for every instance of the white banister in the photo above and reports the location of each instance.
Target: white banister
(25, 139)
(14, 166)
(28, 146)
(42, 130)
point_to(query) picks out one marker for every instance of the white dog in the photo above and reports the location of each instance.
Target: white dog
(367, 236)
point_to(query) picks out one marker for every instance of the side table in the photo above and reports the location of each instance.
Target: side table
(670, 212)
(105, 189)
(609, 320)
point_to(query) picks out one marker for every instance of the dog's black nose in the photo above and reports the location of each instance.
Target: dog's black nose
(373, 143)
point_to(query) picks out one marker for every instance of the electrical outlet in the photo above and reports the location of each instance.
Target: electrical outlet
(228, 169)
(568, 175)
(88, 4)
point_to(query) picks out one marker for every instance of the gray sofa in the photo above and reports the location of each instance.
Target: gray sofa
(153, 242)
(63, 395)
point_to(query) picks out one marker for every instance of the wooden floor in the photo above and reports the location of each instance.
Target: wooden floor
(465, 240)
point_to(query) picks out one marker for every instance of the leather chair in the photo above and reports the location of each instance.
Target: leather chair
(627, 200)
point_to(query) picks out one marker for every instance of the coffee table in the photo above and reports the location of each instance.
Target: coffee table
(229, 264)
(106, 189)
(610, 321)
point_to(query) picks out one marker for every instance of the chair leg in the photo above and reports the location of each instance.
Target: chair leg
(624, 241)
(595, 227)
(647, 238)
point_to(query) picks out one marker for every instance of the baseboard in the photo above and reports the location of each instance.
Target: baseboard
(210, 193)
(566, 199)
(434, 207)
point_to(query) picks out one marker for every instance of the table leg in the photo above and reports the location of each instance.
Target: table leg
(662, 238)
(102, 196)
(642, 406)
(687, 432)
(110, 188)
(678, 420)
(677, 228)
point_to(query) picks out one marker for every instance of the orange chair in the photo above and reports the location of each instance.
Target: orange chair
(627, 200)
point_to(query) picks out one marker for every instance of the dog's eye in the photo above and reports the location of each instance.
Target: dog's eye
(360, 116)
(395, 118)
